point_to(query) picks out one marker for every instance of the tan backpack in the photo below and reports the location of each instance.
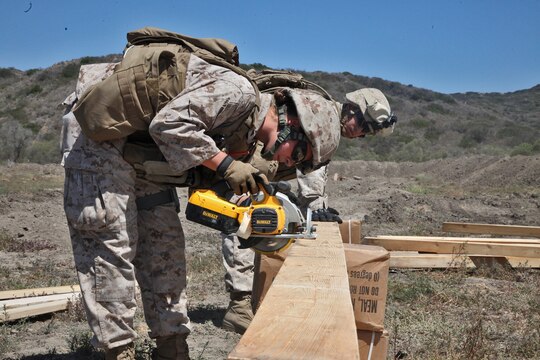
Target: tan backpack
(150, 75)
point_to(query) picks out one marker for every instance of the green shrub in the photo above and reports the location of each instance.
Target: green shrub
(6, 73)
(523, 149)
(34, 89)
(31, 72)
(43, 152)
(432, 133)
(70, 71)
(420, 123)
(437, 109)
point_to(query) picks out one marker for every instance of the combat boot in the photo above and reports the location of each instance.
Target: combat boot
(239, 313)
(172, 347)
(124, 352)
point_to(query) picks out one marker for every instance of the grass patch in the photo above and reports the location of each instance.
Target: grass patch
(39, 273)
(451, 315)
(10, 243)
(21, 179)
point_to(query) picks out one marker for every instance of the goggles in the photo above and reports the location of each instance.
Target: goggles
(299, 152)
(372, 127)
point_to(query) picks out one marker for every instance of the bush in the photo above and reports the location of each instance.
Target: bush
(43, 152)
(420, 123)
(437, 109)
(34, 89)
(70, 71)
(523, 149)
(6, 73)
(31, 72)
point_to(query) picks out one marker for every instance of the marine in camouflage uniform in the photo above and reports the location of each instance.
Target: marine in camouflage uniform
(114, 244)
(239, 263)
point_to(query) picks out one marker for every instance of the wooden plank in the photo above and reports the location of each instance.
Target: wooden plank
(432, 261)
(33, 310)
(462, 247)
(307, 312)
(468, 239)
(494, 229)
(414, 260)
(19, 302)
(12, 294)
(491, 262)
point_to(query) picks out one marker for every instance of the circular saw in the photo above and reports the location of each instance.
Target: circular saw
(268, 222)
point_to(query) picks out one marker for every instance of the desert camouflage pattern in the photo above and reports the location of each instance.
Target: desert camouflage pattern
(89, 75)
(320, 121)
(113, 241)
(238, 265)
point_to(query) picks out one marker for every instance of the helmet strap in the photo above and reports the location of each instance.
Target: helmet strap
(286, 132)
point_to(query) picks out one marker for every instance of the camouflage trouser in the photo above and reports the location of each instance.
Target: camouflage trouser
(238, 265)
(114, 244)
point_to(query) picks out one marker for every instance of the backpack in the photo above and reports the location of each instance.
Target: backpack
(150, 75)
(268, 81)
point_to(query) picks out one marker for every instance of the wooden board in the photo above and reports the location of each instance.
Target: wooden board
(414, 260)
(14, 303)
(12, 294)
(467, 239)
(307, 312)
(461, 247)
(494, 229)
(33, 310)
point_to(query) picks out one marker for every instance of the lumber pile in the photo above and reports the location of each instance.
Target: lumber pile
(18, 304)
(443, 252)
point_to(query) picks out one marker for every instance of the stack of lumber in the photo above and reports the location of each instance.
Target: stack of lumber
(443, 252)
(18, 304)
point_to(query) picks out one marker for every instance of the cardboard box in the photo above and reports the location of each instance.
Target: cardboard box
(373, 345)
(367, 266)
(266, 269)
(351, 231)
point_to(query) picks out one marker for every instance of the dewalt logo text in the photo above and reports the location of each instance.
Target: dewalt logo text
(263, 222)
(210, 215)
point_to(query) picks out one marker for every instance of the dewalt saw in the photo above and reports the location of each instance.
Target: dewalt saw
(267, 222)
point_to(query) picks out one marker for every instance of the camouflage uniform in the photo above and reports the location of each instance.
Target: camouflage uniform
(239, 263)
(115, 244)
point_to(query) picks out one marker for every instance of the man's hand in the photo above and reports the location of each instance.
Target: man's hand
(326, 215)
(240, 176)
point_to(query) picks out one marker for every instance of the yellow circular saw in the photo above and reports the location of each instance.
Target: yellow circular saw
(268, 223)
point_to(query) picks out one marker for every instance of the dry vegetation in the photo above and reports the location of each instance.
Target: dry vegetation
(438, 314)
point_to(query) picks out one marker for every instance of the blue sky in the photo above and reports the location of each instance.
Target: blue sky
(446, 46)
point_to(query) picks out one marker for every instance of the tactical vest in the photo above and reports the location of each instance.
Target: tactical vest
(151, 74)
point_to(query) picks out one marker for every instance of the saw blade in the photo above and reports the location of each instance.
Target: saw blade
(271, 245)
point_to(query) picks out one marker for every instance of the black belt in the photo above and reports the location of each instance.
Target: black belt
(168, 196)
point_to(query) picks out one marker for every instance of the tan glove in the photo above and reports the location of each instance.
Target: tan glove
(240, 176)
(266, 167)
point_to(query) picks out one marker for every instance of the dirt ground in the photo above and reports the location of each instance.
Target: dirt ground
(390, 199)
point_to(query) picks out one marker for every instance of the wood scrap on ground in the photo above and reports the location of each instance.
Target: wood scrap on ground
(444, 252)
(18, 304)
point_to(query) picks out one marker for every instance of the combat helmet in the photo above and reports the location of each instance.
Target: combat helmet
(375, 110)
(320, 127)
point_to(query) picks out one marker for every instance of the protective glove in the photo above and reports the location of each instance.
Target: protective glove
(326, 215)
(240, 176)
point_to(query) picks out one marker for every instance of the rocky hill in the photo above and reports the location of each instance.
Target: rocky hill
(431, 125)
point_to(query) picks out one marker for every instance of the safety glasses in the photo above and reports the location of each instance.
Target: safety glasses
(299, 152)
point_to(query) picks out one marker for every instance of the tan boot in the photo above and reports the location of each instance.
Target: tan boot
(172, 347)
(124, 352)
(239, 313)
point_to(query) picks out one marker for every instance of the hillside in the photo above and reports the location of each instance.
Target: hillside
(431, 125)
